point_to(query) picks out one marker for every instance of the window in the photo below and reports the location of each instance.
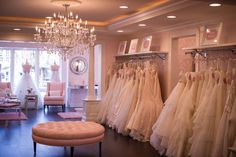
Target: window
(5, 56)
(45, 62)
(11, 61)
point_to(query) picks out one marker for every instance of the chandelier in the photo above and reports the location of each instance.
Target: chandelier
(65, 34)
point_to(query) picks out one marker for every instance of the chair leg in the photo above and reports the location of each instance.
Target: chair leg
(71, 151)
(100, 149)
(35, 147)
(64, 108)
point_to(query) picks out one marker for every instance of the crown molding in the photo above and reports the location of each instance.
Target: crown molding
(152, 13)
(189, 24)
(141, 10)
(27, 20)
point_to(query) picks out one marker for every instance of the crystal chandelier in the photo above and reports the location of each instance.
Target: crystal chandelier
(65, 34)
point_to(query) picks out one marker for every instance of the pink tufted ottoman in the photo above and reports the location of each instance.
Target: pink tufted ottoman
(68, 133)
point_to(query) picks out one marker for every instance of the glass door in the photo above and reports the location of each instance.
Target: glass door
(5, 65)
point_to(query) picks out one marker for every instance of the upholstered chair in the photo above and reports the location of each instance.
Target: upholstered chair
(5, 87)
(55, 95)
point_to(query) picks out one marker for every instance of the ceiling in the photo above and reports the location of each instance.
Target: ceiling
(107, 17)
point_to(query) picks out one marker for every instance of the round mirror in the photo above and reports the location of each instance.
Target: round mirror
(78, 65)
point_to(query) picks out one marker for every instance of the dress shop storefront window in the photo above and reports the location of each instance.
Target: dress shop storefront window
(11, 61)
(5, 57)
(45, 62)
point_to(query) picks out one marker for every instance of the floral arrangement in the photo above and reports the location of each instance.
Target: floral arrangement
(29, 90)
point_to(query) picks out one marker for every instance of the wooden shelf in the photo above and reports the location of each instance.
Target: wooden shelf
(140, 55)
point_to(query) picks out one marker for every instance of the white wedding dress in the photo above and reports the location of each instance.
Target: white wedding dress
(161, 129)
(55, 73)
(25, 83)
(226, 132)
(149, 105)
(182, 128)
(202, 143)
(116, 97)
(105, 102)
(124, 104)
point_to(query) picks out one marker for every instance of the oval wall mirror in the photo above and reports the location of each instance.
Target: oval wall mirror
(78, 65)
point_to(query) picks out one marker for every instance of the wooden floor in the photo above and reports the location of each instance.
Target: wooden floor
(16, 141)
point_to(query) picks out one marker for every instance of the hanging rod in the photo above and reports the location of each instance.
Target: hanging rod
(203, 51)
(143, 55)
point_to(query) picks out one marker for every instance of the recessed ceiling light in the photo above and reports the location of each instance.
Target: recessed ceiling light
(215, 5)
(120, 31)
(16, 29)
(142, 25)
(124, 7)
(171, 17)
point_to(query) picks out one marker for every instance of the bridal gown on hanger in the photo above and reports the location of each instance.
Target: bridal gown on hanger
(162, 127)
(127, 83)
(206, 90)
(148, 107)
(105, 102)
(137, 87)
(115, 97)
(25, 83)
(200, 87)
(122, 105)
(202, 144)
(182, 128)
(126, 103)
(55, 73)
(226, 132)
(133, 100)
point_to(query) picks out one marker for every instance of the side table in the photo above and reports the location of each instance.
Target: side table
(31, 98)
(13, 103)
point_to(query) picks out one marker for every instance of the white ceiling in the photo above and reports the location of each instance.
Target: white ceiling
(25, 14)
(196, 12)
(95, 10)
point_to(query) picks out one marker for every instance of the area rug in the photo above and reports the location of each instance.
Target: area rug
(12, 116)
(70, 115)
(79, 109)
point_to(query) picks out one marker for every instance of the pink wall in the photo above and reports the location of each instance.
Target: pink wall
(181, 61)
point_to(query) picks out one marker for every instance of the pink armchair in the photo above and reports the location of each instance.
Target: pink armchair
(4, 86)
(55, 95)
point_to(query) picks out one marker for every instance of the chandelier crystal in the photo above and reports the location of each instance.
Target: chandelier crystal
(65, 34)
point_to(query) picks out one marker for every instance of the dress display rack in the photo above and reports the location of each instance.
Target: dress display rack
(142, 55)
(204, 50)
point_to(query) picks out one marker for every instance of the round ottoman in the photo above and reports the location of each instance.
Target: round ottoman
(68, 133)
